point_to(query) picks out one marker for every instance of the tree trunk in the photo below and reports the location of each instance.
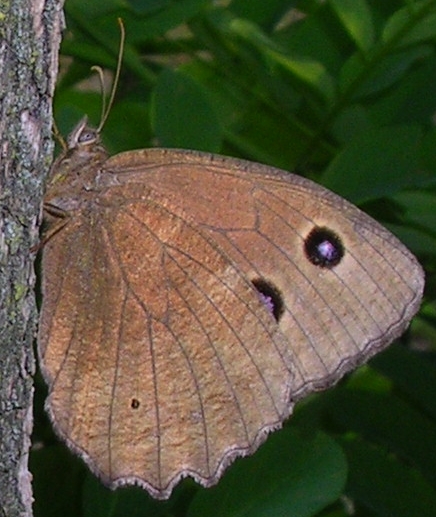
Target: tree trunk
(29, 42)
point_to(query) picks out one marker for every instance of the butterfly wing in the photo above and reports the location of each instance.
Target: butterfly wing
(333, 318)
(160, 358)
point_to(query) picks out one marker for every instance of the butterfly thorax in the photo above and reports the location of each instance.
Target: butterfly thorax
(74, 172)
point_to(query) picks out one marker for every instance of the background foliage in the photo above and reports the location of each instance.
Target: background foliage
(344, 92)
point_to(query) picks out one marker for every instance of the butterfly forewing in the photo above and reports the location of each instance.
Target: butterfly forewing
(143, 342)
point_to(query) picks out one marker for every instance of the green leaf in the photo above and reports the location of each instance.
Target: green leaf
(96, 8)
(313, 36)
(151, 22)
(411, 24)
(420, 241)
(133, 115)
(304, 69)
(72, 105)
(391, 422)
(376, 163)
(312, 73)
(149, 6)
(57, 477)
(365, 79)
(428, 152)
(411, 99)
(266, 14)
(182, 115)
(291, 474)
(413, 373)
(356, 17)
(99, 501)
(419, 213)
(350, 122)
(384, 486)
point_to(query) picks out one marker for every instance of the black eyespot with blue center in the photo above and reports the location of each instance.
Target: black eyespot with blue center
(323, 247)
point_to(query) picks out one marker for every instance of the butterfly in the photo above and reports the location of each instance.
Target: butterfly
(190, 300)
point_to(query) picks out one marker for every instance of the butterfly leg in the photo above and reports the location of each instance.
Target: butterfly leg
(62, 218)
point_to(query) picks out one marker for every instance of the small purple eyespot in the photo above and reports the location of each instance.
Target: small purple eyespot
(270, 296)
(268, 302)
(324, 248)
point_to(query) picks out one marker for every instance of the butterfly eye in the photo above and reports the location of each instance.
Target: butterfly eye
(323, 247)
(87, 136)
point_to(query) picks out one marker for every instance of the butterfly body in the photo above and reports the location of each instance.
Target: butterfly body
(191, 299)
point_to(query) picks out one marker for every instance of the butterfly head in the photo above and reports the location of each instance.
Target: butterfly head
(83, 154)
(76, 168)
(83, 137)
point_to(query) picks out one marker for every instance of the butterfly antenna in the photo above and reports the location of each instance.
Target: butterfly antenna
(57, 134)
(98, 70)
(106, 109)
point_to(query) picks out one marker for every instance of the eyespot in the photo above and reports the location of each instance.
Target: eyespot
(271, 297)
(323, 247)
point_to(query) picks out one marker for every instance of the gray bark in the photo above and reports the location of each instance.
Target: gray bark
(29, 42)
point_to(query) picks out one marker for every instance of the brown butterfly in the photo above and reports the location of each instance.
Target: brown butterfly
(189, 300)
